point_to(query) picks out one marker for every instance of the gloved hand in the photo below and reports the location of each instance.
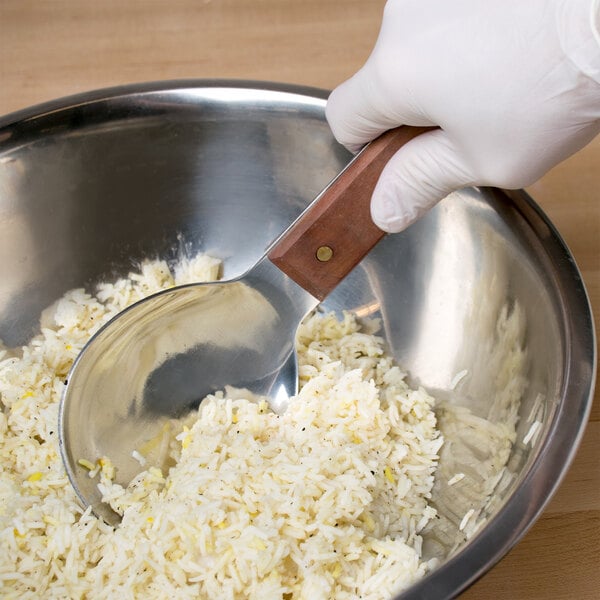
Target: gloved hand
(514, 86)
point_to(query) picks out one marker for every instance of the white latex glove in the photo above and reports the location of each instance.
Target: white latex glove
(514, 86)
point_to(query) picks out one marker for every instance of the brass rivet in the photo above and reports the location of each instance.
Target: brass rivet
(324, 253)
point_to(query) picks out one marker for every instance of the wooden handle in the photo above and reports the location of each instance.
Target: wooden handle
(336, 231)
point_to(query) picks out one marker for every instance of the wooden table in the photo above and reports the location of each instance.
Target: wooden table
(53, 48)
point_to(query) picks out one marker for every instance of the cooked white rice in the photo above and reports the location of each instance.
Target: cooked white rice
(325, 501)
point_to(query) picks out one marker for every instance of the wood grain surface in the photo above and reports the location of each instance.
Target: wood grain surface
(53, 48)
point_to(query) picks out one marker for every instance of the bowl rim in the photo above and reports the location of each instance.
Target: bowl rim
(548, 467)
(128, 90)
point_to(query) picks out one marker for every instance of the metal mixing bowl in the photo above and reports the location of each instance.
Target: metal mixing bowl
(89, 185)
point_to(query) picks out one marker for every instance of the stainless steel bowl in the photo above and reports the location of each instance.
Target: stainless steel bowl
(91, 184)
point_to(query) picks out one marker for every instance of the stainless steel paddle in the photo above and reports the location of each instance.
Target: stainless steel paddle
(157, 359)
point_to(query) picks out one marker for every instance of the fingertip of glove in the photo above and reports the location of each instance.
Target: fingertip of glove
(350, 115)
(335, 115)
(387, 212)
(417, 177)
(334, 111)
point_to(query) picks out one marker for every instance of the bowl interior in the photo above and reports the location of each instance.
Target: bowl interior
(480, 302)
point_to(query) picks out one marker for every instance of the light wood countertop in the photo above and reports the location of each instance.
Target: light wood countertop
(53, 48)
